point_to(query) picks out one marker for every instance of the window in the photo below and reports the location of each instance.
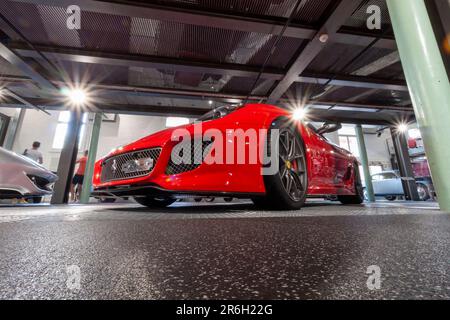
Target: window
(176, 121)
(349, 143)
(374, 172)
(61, 129)
(388, 176)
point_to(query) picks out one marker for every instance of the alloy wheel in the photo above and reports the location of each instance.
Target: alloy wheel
(292, 165)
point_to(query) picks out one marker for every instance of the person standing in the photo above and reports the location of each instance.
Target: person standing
(34, 153)
(77, 181)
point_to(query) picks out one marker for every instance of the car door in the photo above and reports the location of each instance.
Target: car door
(318, 162)
(387, 183)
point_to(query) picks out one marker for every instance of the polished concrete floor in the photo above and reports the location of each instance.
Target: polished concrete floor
(216, 251)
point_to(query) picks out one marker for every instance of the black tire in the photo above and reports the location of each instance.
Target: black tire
(228, 199)
(390, 198)
(155, 202)
(358, 198)
(287, 188)
(198, 199)
(36, 199)
(107, 200)
(424, 192)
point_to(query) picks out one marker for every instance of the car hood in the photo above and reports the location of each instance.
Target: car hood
(157, 139)
(9, 156)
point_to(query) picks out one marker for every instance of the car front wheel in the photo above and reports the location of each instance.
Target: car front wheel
(154, 202)
(286, 189)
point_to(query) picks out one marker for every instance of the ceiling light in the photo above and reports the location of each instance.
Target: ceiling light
(298, 114)
(402, 127)
(323, 38)
(210, 102)
(76, 96)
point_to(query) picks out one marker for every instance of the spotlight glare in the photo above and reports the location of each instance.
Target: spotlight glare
(76, 96)
(298, 114)
(402, 127)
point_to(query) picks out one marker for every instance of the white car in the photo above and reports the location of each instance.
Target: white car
(21, 177)
(389, 184)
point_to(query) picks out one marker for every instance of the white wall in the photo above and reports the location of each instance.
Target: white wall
(126, 129)
(37, 126)
(377, 151)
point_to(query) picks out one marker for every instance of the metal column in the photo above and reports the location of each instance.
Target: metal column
(404, 165)
(365, 162)
(67, 159)
(14, 127)
(428, 84)
(88, 174)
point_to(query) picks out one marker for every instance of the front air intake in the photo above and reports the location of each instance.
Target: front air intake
(198, 152)
(127, 165)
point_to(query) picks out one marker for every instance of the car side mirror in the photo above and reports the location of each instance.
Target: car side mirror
(329, 127)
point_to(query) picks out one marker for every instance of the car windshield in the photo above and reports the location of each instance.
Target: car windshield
(218, 113)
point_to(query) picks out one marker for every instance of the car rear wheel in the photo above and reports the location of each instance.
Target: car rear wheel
(155, 202)
(37, 199)
(107, 200)
(358, 197)
(424, 193)
(286, 189)
(391, 198)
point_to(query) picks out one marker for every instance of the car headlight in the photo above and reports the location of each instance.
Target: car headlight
(138, 165)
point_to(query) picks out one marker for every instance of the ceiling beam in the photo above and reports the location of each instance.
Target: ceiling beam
(29, 71)
(104, 90)
(369, 69)
(84, 56)
(378, 64)
(208, 19)
(22, 100)
(140, 61)
(337, 18)
(164, 111)
(353, 81)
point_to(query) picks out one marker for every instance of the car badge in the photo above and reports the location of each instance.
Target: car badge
(114, 166)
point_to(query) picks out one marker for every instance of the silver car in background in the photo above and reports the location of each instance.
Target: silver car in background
(389, 184)
(21, 177)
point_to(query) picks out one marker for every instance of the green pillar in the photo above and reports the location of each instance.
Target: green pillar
(89, 173)
(428, 85)
(365, 162)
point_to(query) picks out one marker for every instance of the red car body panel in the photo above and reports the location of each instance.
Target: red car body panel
(330, 168)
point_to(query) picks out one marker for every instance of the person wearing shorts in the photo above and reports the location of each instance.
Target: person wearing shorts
(77, 181)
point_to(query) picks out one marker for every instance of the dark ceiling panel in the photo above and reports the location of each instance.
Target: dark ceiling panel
(394, 71)
(286, 50)
(302, 91)
(310, 12)
(240, 85)
(385, 97)
(358, 20)
(93, 73)
(335, 57)
(27, 19)
(344, 93)
(105, 32)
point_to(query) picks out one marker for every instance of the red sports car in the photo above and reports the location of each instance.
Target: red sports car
(254, 151)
